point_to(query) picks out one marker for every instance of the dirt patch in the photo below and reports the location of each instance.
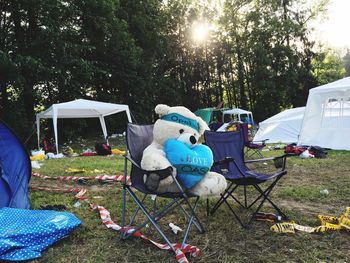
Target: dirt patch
(311, 208)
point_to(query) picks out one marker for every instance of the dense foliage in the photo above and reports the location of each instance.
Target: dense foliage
(257, 55)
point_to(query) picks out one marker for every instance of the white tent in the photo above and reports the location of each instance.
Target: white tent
(80, 109)
(283, 127)
(326, 120)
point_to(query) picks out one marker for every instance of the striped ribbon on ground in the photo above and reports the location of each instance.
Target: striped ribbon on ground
(328, 223)
(108, 222)
(179, 252)
(101, 178)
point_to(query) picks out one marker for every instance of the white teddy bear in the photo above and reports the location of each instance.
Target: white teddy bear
(177, 123)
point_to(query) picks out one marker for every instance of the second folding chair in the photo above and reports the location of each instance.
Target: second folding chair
(252, 147)
(138, 137)
(228, 151)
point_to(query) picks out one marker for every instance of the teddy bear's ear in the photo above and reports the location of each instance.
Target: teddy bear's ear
(162, 109)
(202, 125)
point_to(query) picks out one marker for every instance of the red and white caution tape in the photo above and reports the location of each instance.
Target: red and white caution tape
(108, 222)
(179, 252)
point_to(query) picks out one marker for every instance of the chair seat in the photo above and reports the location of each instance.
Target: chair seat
(255, 146)
(138, 184)
(252, 177)
(141, 188)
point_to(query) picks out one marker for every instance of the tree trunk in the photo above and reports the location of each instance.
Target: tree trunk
(240, 69)
(4, 100)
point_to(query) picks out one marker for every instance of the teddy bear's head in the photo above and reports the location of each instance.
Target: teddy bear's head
(175, 121)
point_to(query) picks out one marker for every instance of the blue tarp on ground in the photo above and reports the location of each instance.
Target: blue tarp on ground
(24, 234)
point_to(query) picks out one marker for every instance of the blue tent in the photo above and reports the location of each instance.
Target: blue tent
(15, 170)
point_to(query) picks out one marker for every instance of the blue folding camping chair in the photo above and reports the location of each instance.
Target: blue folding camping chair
(228, 152)
(138, 137)
(251, 147)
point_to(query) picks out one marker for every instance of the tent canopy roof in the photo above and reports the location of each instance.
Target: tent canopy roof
(326, 121)
(336, 86)
(286, 115)
(283, 127)
(236, 111)
(82, 108)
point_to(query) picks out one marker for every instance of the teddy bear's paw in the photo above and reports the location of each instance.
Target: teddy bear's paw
(213, 184)
(165, 183)
(152, 181)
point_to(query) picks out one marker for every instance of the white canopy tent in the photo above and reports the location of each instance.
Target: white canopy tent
(326, 121)
(283, 127)
(80, 109)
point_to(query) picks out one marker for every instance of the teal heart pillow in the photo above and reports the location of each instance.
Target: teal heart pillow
(191, 164)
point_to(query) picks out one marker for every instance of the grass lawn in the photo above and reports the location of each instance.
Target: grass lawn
(298, 194)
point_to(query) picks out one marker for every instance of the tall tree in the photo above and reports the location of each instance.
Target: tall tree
(346, 60)
(328, 67)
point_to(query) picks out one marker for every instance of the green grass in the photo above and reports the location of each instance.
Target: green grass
(298, 194)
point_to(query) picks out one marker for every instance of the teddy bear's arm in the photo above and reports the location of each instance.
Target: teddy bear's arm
(154, 159)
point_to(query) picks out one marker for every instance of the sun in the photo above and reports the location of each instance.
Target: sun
(200, 31)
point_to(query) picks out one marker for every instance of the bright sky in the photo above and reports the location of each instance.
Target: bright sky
(335, 31)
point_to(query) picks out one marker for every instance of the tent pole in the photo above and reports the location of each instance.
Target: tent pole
(128, 115)
(38, 130)
(54, 119)
(104, 129)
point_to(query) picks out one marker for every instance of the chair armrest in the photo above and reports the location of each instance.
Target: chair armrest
(223, 161)
(260, 141)
(128, 157)
(279, 161)
(260, 160)
(228, 160)
(163, 173)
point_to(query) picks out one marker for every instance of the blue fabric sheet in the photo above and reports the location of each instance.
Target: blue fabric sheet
(24, 234)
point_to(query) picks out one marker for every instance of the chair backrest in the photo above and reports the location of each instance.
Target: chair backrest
(245, 131)
(138, 137)
(215, 125)
(226, 145)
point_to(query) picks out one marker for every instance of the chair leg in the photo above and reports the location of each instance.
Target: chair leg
(136, 211)
(263, 197)
(192, 217)
(259, 153)
(190, 220)
(156, 216)
(123, 211)
(272, 203)
(234, 214)
(124, 196)
(250, 152)
(265, 194)
(152, 220)
(222, 198)
(196, 221)
(227, 193)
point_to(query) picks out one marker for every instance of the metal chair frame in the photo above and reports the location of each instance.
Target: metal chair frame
(154, 215)
(245, 178)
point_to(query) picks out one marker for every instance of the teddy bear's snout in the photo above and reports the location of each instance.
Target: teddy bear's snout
(193, 139)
